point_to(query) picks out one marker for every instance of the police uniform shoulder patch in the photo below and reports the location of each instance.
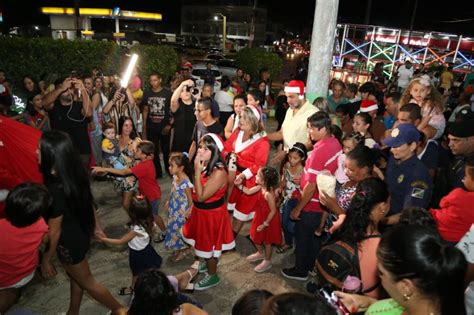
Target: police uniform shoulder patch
(418, 193)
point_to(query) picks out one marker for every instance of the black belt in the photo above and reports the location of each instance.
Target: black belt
(240, 168)
(209, 205)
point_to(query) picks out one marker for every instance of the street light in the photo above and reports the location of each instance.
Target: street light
(224, 26)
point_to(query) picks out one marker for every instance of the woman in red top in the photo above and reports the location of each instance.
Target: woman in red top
(249, 147)
(208, 228)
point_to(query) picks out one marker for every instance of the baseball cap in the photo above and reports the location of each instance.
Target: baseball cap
(404, 133)
(463, 127)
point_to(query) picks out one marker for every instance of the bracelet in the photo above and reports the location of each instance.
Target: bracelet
(266, 224)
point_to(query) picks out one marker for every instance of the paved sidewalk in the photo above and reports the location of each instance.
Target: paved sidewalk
(109, 266)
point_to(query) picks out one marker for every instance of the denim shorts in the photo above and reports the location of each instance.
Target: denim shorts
(155, 207)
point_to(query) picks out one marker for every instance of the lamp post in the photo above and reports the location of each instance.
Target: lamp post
(224, 31)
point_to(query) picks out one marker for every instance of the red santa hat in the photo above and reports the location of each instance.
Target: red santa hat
(217, 139)
(296, 86)
(368, 106)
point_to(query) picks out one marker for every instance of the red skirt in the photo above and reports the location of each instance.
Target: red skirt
(272, 234)
(209, 232)
(244, 209)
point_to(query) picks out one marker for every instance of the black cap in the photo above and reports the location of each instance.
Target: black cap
(463, 127)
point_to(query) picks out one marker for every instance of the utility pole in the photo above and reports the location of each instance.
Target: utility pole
(252, 24)
(322, 44)
(77, 19)
(412, 22)
(367, 12)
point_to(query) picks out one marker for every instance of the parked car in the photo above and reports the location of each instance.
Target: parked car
(198, 75)
(227, 67)
(214, 57)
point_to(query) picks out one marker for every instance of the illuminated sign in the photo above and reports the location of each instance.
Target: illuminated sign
(115, 12)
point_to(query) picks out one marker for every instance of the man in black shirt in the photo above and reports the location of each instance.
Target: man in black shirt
(156, 120)
(205, 124)
(69, 108)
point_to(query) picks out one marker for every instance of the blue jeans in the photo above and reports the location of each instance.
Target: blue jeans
(288, 224)
(307, 243)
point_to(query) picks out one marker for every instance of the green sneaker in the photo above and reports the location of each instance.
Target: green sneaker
(207, 282)
(203, 266)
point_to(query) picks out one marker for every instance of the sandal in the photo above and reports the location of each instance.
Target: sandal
(282, 249)
(180, 255)
(186, 285)
(125, 291)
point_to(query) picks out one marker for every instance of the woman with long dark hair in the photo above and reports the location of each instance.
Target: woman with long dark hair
(127, 140)
(369, 205)
(71, 220)
(208, 228)
(419, 272)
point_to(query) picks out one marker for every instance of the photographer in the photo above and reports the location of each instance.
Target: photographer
(182, 107)
(69, 108)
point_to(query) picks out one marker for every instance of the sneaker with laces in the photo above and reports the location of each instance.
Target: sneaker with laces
(292, 273)
(263, 266)
(255, 257)
(203, 266)
(207, 282)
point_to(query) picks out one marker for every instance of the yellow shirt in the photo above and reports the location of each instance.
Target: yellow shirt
(294, 127)
(446, 80)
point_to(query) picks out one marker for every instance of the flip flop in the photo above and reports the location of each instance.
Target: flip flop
(282, 249)
(125, 291)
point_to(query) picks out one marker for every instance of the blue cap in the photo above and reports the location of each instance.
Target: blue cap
(403, 133)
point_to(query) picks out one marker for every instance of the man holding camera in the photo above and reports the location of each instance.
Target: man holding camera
(182, 108)
(156, 120)
(69, 109)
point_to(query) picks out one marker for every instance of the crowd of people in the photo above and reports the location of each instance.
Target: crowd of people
(378, 178)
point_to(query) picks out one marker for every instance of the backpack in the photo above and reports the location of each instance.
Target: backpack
(335, 262)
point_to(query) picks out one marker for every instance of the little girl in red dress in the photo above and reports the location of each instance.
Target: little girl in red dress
(266, 226)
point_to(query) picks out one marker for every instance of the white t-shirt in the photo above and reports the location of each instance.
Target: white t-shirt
(139, 242)
(466, 245)
(404, 76)
(224, 100)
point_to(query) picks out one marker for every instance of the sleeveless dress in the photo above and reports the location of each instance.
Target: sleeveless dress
(208, 228)
(272, 234)
(178, 204)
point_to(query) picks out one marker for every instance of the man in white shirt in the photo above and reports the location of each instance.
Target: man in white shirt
(405, 73)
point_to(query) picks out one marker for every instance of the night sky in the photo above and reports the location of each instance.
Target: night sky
(296, 16)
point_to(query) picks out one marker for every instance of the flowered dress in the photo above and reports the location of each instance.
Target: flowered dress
(178, 205)
(127, 183)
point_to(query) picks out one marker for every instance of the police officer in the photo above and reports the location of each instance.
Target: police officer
(461, 145)
(407, 177)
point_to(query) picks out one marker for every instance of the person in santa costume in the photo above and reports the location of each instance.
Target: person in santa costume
(293, 129)
(248, 149)
(208, 228)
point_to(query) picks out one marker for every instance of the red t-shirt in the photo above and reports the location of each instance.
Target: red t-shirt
(323, 157)
(19, 250)
(146, 175)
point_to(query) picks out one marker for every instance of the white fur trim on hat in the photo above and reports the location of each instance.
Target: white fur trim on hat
(217, 140)
(295, 86)
(254, 111)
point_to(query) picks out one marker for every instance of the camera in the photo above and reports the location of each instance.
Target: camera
(192, 89)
